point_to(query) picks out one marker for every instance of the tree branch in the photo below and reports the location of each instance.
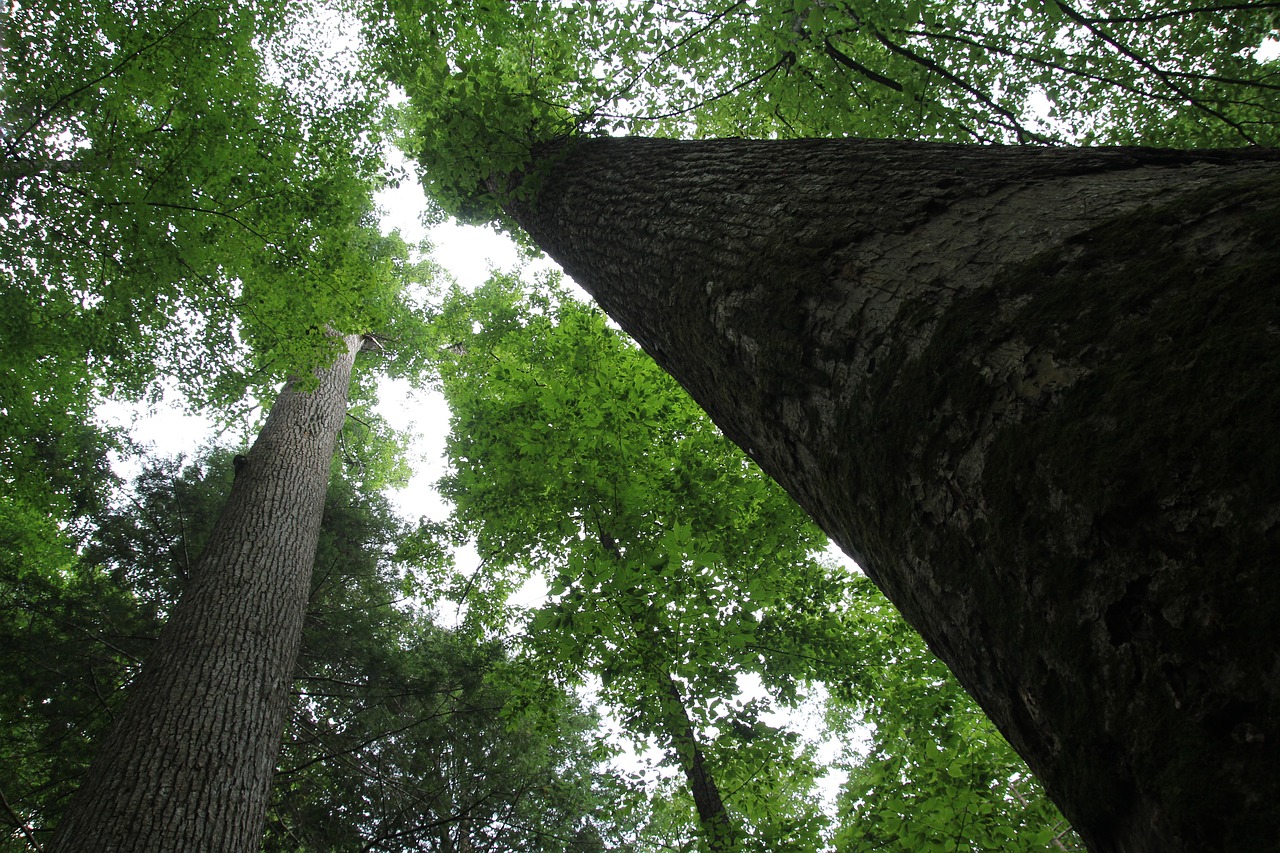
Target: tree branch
(849, 62)
(1162, 75)
(42, 115)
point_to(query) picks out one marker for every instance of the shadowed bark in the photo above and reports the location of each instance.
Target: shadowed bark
(1033, 393)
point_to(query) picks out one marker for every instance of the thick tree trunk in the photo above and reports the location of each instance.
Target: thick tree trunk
(188, 764)
(1033, 392)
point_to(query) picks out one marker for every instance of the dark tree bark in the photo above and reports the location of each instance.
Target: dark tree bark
(1032, 392)
(188, 764)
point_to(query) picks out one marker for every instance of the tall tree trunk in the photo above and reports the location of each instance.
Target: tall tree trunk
(1033, 392)
(717, 827)
(188, 764)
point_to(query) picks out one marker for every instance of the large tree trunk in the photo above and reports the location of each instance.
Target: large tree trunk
(188, 764)
(1033, 392)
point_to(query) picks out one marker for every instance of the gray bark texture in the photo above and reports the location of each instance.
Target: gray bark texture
(1033, 392)
(188, 763)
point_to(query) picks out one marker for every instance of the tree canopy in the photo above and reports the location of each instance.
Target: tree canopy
(187, 203)
(490, 83)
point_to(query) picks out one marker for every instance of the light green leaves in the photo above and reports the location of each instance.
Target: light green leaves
(485, 85)
(187, 203)
(573, 456)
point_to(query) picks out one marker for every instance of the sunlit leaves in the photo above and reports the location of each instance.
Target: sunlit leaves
(187, 204)
(483, 81)
(172, 196)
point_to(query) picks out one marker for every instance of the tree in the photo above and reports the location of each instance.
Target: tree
(971, 365)
(188, 198)
(188, 762)
(399, 732)
(1021, 388)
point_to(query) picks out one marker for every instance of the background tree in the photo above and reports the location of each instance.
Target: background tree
(554, 468)
(193, 202)
(400, 734)
(174, 177)
(188, 761)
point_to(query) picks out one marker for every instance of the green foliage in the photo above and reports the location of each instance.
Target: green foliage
(667, 552)
(70, 637)
(167, 202)
(478, 75)
(1011, 71)
(417, 737)
(937, 775)
(187, 202)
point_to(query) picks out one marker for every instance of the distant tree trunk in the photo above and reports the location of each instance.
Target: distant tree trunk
(188, 764)
(1034, 392)
(717, 827)
(714, 820)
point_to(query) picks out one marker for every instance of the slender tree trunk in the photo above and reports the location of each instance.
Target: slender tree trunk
(1033, 392)
(714, 820)
(188, 764)
(717, 827)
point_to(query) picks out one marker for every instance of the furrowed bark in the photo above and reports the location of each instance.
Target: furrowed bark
(1031, 391)
(188, 764)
